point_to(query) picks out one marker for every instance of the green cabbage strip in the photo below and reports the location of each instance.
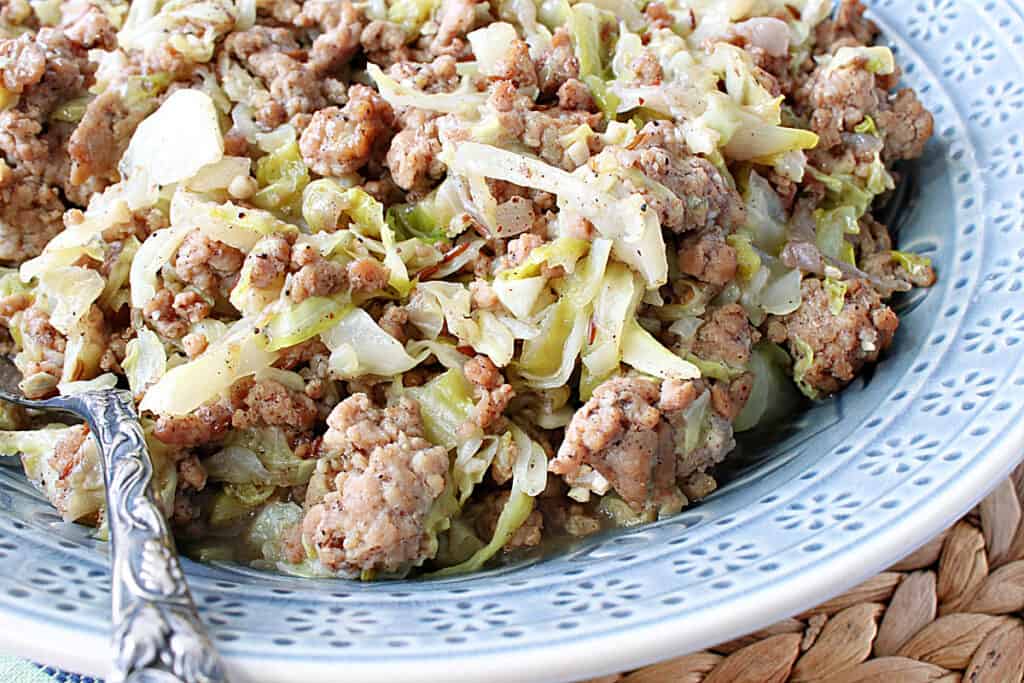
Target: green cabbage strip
(303, 321)
(282, 176)
(446, 402)
(804, 358)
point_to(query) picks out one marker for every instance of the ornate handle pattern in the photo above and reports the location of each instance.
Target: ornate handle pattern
(157, 635)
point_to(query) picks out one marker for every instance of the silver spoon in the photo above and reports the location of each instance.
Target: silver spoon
(157, 634)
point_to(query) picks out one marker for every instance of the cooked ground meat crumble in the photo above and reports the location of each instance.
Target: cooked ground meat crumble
(400, 286)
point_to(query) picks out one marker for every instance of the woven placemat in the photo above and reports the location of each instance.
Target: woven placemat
(951, 611)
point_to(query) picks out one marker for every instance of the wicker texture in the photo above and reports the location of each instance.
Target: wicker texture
(951, 611)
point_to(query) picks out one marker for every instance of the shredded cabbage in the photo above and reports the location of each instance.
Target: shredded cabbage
(399, 95)
(177, 140)
(240, 353)
(300, 322)
(76, 494)
(360, 347)
(446, 402)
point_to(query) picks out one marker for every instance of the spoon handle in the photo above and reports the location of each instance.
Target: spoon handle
(157, 635)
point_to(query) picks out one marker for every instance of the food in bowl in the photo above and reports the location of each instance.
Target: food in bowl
(401, 286)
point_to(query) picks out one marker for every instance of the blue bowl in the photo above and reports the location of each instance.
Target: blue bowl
(851, 486)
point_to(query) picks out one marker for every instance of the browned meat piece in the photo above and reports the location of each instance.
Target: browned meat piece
(841, 98)
(314, 275)
(340, 26)
(191, 473)
(849, 27)
(516, 66)
(394, 321)
(487, 513)
(75, 460)
(44, 70)
(493, 394)
(102, 137)
(273, 55)
(885, 266)
(726, 336)
(268, 261)
(842, 344)
(373, 514)
(708, 257)
(413, 155)
(558, 64)
(46, 355)
(367, 274)
(541, 130)
(270, 403)
(339, 141)
(162, 316)
(647, 68)
(439, 75)
(381, 36)
(906, 125)
(30, 215)
(629, 432)
(456, 20)
(294, 356)
(574, 94)
(89, 27)
(191, 306)
(208, 265)
(728, 398)
(703, 197)
(659, 16)
(208, 424)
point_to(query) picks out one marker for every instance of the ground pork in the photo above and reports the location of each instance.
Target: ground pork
(78, 491)
(44, 352)
(209, 265)
(268, 403)
(101, 137)
(373, 517)
(249, 404)
(313, 275)
(268, 262)
(367, 274)
(557, 64)
(44, 70)
(728, 398)
(701, 197)
(906, 125)
(275, 56)
(340, 26)
(207, 424)
(629, 432)
(726, 336)
(708, 257)
(515, 66)
(492, 392)
(885, 266)
(539, 130)
(848, 26)
(86, 24)
(487, 513)
(456, 20)
(837, 100)
(340, 141)
(413, 155)
(437, 75)
(160, 313)
(841, 344)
